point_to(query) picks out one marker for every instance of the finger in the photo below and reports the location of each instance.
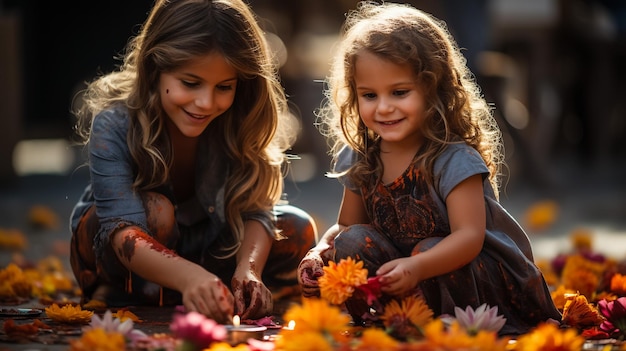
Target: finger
(310, 292)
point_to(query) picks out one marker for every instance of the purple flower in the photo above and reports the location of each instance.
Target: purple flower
(615, 314)
(197, 329)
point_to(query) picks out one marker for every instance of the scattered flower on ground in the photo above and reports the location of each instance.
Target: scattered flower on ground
(68, 314)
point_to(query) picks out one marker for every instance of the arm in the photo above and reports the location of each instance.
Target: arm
(202, 291)
(252, 298)
(351, 211)
(111, 170)
(466, 212)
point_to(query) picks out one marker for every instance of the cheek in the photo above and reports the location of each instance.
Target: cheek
(225, 101)
(366, 110)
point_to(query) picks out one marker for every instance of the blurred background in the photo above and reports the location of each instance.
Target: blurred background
(554, 69)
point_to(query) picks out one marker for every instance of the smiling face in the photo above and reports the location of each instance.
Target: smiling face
(197, 93)
(390, 101)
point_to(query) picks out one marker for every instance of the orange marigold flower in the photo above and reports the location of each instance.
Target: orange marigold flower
(316, 316)
(585, 282)
(339, 280)
(455, 338)
(579, 313)
(618, 284)
(99, 340)
(374, 339)
(548, 337)
(541, 215)
(124, 315)
(582, 274)
(224, 346)
(306, 341)
(559, 296)
(43, 217)
(12, 239)
(406, 319)
(581, 239)
(68, 314)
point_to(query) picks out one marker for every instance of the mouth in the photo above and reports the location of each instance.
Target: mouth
(390, 123)
(196, 116)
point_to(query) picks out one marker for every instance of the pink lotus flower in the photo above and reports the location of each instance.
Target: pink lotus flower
(197, 329)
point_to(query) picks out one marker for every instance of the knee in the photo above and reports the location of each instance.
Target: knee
(356, 236)
(296, 225)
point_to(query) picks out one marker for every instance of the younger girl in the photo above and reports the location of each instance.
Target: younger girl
(418, 153)
(186, 145)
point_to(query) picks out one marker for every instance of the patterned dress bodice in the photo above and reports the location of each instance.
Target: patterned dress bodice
(405, 211)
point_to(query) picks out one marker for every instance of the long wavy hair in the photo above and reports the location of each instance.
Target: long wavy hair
(255, 131)
(456, 110)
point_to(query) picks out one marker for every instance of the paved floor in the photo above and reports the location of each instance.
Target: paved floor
(592, 198)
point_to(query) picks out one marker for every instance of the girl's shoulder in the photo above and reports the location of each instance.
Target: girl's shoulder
(116, 115)
(455, 164)
(113, 118)
(344, 159)
(458, 154)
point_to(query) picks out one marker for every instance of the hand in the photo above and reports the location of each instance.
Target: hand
(309, 271)
(208, 295)
(253, 299)
(398, 277)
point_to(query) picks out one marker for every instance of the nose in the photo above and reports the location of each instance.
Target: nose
(205, 99)
(385, 106)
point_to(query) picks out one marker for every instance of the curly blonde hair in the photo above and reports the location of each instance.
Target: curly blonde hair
(456, 110)
(255, 131)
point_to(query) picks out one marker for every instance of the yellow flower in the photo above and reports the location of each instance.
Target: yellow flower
(43, 217)
(541, 215)
(579, 313)
(98, 340)
(12, 239)
(405, 320)
(304, 341)
(548, 337)
(582, 275)
(558, 296)
(374, 339)
(124, 315)
(581, 239)
(455, 338)
(95, 305)
(15, 283)
(224, 346)
(316, 316)
(339, 280)
(68, 314)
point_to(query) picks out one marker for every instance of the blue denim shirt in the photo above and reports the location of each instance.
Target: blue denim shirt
(119, 205)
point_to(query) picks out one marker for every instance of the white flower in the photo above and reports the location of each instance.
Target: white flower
(110, 324)
(483, 318)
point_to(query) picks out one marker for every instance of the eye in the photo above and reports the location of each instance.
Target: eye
(226, 87)
(400, 92)
(190, 84)
(369, 96)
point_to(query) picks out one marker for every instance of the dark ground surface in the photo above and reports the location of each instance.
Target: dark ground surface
(593, 198)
